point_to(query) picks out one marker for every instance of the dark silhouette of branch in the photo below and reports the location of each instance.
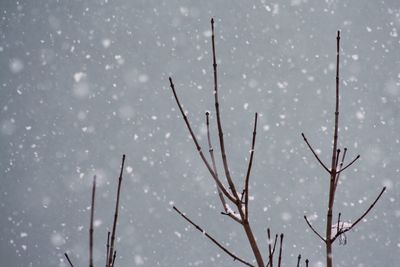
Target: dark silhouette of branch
(351, 163)
(91, 223)
(307, 261)
(113, 260)
(271, 260)
(298, 260)
(68, 259)
(338, 223)
(246, 190)
(114, 228)
(312, 228)
(315, 154)
(342, 231)
(340, 168)
(212, 239)
(280, 251)
(273, 249)
(107, 247)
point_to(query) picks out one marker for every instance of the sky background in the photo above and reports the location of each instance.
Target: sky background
(83, 82)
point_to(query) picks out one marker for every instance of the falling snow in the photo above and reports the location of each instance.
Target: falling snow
(84, 82)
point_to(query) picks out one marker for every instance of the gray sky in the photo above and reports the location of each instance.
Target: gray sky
(83, 82)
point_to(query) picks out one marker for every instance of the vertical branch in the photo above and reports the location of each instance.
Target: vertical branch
(107, 247)
(91, 223)
(328, 237)
(307, 261)
(113, 260)
(219, 124)
(246, 202)
(280, 251)
(271, 260)
(214, 165)
(246, 225)
(298, 260)
(111, 252)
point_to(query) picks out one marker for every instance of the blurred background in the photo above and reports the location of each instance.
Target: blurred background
(83, 82)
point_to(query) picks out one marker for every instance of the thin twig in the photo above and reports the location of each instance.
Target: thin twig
(312, 228)
(198, 147)
(340, 168)
(271, 260)
(273, 249)
(91, 223)
(211, 238)
(351, 163)
(68, 259)
(307, 261)
(338, 223)
(107, 247)
(114, 256)
(280, 251)
(315, 154)
(362, 216)
(220, 194)
(337, 158)
(111, 252)
(298, 260)
(246, 202)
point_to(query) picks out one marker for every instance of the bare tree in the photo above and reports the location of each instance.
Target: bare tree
(110, 249)
(335, 231)
(235, 203)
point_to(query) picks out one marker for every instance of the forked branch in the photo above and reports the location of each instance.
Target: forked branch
(198, 147)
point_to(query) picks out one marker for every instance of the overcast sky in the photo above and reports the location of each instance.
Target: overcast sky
(83, 82)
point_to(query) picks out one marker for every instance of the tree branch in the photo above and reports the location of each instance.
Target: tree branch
(246, 202)
(273, 249)
(315, 154)
(351, 163)
(68, 259)
(271, 259)
(312, 228)
(219, 123)
(220, 194)
(280, 251)
(212, 239)
(220, 185)
(361, 217)
(114, 229)
(91, 223)
(107, 247)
